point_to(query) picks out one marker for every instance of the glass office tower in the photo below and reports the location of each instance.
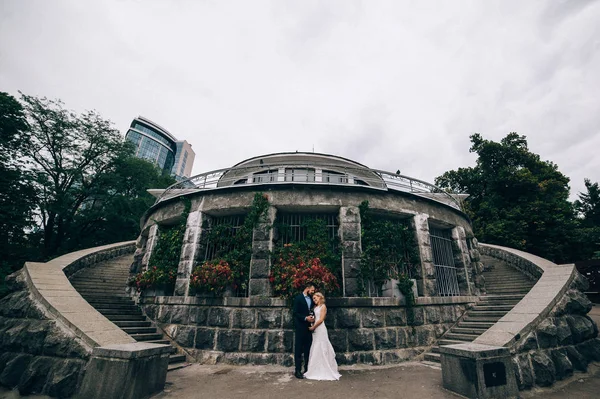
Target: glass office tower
(153, 142)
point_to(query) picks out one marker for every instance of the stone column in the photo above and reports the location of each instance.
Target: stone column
(189, 248)
(351, 249)
(462, 260)
(260, 265)
(426, 284)
(150, 243)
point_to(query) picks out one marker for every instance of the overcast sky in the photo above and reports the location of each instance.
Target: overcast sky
(391, 84)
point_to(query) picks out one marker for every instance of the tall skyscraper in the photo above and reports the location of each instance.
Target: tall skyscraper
(156, 144)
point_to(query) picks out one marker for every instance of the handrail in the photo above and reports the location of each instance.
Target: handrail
(50, 286)
(553, 282)
(330, 175)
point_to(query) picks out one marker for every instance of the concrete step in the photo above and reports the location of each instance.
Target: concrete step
(109, 303)
(92, 285)
(177, 366)
(139, 330)
(115, 306)
(433, 357)
(505, 308)
(503, 291)
(502, 296)
(445, 341)
(133, 312)
(482, 319)
(177, 358)
(132, 324)
(435, 349)
(484, 313)
(146, 337)
(125, 317)
(469, 331)
(473, 324)
(460, 337)
(162, 342)
(100, 297)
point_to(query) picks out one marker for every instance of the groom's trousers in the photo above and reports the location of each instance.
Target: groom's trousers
(302, 345)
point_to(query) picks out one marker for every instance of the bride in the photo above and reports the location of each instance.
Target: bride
(321, 361)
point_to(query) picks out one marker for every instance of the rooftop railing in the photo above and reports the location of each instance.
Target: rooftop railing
(312, 174)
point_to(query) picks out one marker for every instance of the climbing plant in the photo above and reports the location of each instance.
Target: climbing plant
(233, 244)
(164, 261)
(315, 258)
(389, 249)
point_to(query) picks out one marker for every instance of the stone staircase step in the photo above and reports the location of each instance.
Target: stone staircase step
(479, 319)
(109, 302)
(460, 337)
(484, 313)
(147, 337)
(474, 324)
(176, 358)
(177, 366)
(503, 296)
(139, 330)
(469, 331)
(435, 349)
(162, 342)
(433, 357)
(444, 342)
(134, 312)
(115, 306)
(132, 324)
(505, 308)
(125, 317)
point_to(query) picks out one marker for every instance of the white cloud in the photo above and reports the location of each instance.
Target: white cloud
(394, 85)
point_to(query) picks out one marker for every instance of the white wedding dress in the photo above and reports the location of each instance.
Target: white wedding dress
(321, 361)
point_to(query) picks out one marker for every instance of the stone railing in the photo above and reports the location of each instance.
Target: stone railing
(542, 339)
(553, 281)
(49, 284)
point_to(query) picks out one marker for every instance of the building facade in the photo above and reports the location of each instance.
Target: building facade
(155, 144)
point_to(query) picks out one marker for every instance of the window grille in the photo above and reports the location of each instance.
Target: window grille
(213, 248)
(443, 260)
(296, 229)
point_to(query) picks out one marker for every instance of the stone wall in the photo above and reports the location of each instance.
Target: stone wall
(260, 330)
(562, 343)
(36, 354)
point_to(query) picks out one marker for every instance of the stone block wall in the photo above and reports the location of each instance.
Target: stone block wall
(260, 330)
(563, 343)
(36, 354)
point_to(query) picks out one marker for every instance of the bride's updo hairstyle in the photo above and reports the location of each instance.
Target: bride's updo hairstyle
(321, 296)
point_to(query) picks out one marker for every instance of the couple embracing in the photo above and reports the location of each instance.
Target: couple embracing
(312, 341)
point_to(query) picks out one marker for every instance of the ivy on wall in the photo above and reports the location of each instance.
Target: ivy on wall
(317, 258)
(164, 261)
(234, 245)
(389, 249)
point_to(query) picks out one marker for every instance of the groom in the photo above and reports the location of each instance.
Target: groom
(302, 320)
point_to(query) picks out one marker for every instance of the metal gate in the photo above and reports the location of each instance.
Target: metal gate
(443, 259)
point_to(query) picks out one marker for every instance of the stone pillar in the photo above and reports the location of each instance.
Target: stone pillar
(150, 243)
(126, 371)
(189, 248)
(260, 265)
(462, 260)
(426, 282)
(351, 249)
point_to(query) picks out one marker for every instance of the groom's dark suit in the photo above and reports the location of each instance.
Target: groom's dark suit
(303, 335)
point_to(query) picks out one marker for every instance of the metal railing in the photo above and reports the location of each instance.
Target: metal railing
(324, 174)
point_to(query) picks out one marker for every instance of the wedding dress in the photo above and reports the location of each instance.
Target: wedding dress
(321, 361)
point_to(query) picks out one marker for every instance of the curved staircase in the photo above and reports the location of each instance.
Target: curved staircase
(505, 287)
(104, 287)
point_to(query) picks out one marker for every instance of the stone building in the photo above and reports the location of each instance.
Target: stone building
(305, 185)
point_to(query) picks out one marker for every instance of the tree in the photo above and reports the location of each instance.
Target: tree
(588, 233)
(114, 214)
(516, 199)
(17, 194)
(71, 155)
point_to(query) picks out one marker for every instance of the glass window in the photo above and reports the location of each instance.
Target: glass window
(334, 177)
(300, 175)
(265, 176)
